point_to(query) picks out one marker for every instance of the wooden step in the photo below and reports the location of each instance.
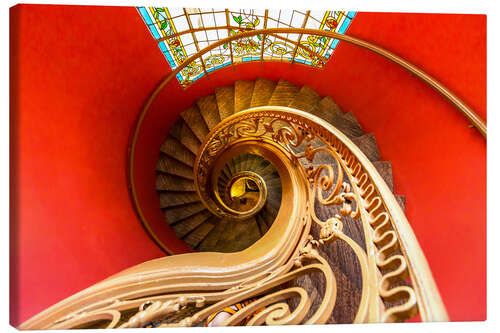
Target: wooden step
(210, 241)
(274, 202)
(238, 162)
(173, 148)
(284, 93)
(250, 161)
(348, 125)
(238, 236)
(263, 228)
(226, 172)
(260, 165)
(268, 215)
(274, 182)
(231, 166)
(243, 91)
(252, 158)
(166, 182)
(384, 168)
(306, 100)
(267, 170)
(197, 235)
(171, 199)
(328, 110)
(178, 213)
(172, 166)
(244, 162)
(181, 131)
(195, 121)
(182, 228)
(225, 101)
(209, 110)
(262, 92)
(368, 146)
(259, 161)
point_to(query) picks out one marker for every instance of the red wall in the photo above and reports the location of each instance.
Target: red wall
(80, 76)
(94, 87)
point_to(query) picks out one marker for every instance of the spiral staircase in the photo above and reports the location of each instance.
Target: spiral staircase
(287, 204)
(183, 209)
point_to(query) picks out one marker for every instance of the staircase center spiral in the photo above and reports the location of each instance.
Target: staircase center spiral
(245, 193)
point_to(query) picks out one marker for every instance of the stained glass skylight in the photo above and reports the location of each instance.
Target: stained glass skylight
(206, 26)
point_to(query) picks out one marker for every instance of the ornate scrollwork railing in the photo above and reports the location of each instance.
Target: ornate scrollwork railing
(319, 167)
(394, 253)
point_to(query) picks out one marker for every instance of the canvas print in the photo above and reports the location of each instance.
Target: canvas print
(177, 167)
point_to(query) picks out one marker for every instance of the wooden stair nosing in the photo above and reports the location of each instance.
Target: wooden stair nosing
(195, 122)
(263, 89)
(225, 101)
(172, 199)
(174, 149)
(196, 236)
(368, 145)
(179, 213)
(166, 182)
(181, 131)
(306, 100)
(243, 90)
(169, 165)
(283, 94)
(185, 226)
(209, 110)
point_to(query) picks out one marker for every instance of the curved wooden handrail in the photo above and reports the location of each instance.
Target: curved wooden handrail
(475, 119)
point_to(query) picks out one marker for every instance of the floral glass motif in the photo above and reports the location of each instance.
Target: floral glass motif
(313, 51)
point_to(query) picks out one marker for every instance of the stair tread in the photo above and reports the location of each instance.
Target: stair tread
(238, 236)
(368, 146)
(243, 90)
(283, 94)
(172, 166)
(198, 234)
(306, 99)
(384, 168)
(263, 227)
(181, 131)
(209, 110)
(238, 163)
(231, 166)
(184, 227)
(244, 162)
(348, 125)
(210, 241)
(171, 199)
(268, 214)
(262, 92)
(166, 182)
(173, 148)
(328, 109)
(225, 101)
(195, 121)
(257, 161)
(177, 213)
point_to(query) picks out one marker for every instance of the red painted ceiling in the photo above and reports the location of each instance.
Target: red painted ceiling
(81, 74)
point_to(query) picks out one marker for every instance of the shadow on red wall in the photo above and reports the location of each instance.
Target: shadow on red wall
(78, 85)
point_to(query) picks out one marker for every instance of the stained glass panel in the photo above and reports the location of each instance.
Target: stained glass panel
(313, 51)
